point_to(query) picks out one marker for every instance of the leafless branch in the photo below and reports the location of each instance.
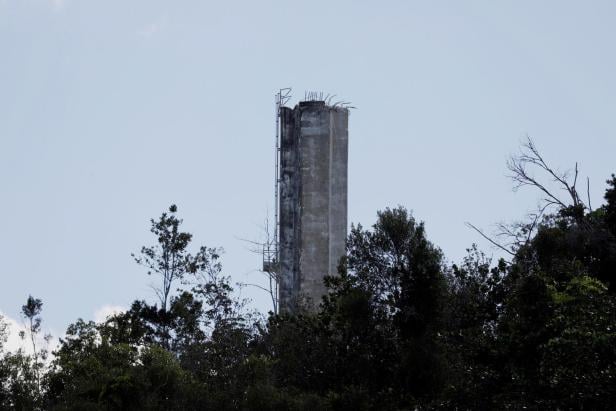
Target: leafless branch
(536, 218)
(588, 193)
(260, 247)
(520, 233)
(255, 285)
(530, 156)
(490, 240)
(521, 167)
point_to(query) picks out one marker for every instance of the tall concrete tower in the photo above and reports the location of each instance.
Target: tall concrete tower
(313, 199)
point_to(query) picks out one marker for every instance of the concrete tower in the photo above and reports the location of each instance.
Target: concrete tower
(313, 199)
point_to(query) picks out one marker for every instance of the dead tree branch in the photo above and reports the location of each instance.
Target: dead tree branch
(520, 233)
(529, 157)
(481, 233)
(521, 167)
(588, 193)
(260, 247)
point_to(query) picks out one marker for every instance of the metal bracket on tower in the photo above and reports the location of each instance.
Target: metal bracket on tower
(271, 250)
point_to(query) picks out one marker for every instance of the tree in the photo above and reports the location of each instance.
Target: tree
(375, 341)
(4, 333)
(474, 303)
(399, 328)
(21, 374)
(18, 382)
(402, 271)
(522, 167)
(578, 362)
(268, 250)
(90, 371)
(170, 258)
(610, 206)
(31, 312)
(556, 331)
(529, 156)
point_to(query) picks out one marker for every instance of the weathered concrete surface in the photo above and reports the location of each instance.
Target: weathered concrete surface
(289, 210)
(338, 200)
(313, 199)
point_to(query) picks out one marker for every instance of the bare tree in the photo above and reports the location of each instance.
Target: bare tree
(268, 249)
(522, 168)
(521, 165)
(490, 239)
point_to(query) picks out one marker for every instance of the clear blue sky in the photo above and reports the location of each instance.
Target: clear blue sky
(112, 110)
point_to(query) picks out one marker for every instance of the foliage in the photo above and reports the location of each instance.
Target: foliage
(170, 259)
(4, 332)
(21, 373)
(399, 328)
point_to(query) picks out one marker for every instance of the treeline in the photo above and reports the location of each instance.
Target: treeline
(400, 329)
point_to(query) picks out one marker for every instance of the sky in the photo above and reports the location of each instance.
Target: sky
(110, 111)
